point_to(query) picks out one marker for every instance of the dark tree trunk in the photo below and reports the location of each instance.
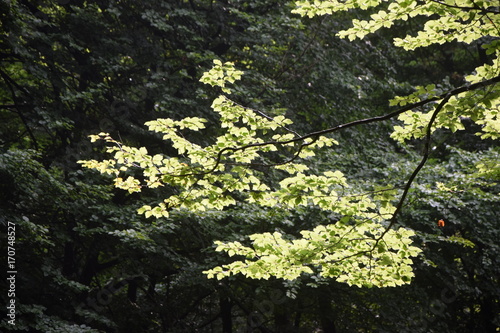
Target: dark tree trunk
(225, 314)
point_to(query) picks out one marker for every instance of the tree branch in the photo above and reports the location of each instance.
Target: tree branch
(476, 7)
(419, 167)
(316, 134)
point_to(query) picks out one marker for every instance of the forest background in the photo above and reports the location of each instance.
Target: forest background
(86, 261)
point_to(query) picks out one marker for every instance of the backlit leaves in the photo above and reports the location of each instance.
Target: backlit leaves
(450, 20)
(220, 74)
(358, 248)
(349, 253)
(211, 177)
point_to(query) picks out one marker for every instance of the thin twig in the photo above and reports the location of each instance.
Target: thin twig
(415, 172)
(476, 7)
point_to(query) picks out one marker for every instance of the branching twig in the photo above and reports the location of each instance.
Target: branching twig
(415, 172)
(464, 8)
(317, 134)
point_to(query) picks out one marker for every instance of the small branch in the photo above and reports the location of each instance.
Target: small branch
(267, 117)
(414, 174)
(483, 10)
(316, 134)
(427, 149)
